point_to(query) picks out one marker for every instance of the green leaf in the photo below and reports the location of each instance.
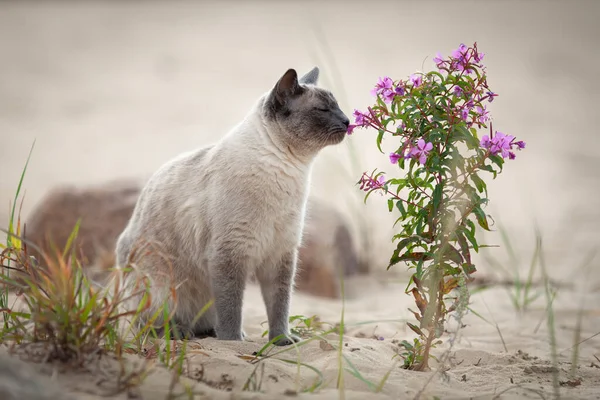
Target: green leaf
(471, 237)
(489, 168)
(499, 161)
(420, 226)
(435, 73)
(479, 183)
(400, 207)
(469, 268)
(437, 196)
(464, 246)
(416, 329)
(460, 131)
(400, 247)
(436, 135)
(408, 257)
(390, 204)
(449, 270)
(472, 226)
(416, 256)
(368, 194)
(406, 345)
(481, 218)
(379, 139)
(453, 255)
(396, 181)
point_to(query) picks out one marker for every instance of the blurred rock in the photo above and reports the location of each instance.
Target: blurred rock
(104, 211)
(328, 249)
(327, 253)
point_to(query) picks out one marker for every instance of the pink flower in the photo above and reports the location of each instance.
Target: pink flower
(464, 113)
(438, 60)
(388, 95)
(483, 114)
(460, 53)
(384, 88)
(360, 119)
(421, 150)
(382, 84)
(457, 91)
(485, 142)
(490, 96)
(394, 157)
(350, 129)
(416, 80)
(461, 59)
(501, 144)
(367, 182)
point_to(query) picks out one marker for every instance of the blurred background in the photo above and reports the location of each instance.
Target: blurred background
(113, 89)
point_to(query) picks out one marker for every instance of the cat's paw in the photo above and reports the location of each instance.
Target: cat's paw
(287, 340)
(240, 336)
(204, 333)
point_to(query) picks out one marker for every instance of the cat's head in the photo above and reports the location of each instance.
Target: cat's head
(307, 116)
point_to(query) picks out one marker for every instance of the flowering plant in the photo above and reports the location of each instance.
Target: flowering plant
(433, 118)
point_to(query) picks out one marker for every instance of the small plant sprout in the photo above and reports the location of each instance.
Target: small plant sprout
(438, 189)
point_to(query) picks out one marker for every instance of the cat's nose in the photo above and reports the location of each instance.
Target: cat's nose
(346, 122)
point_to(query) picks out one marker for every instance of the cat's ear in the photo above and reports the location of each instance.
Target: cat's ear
(287, 86)
(311, 77)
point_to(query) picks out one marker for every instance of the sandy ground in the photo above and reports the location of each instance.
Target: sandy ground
(479, 365)
(114, 89)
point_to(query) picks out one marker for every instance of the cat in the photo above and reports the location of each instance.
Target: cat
(215, 215)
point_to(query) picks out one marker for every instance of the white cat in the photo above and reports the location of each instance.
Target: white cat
(232, 209)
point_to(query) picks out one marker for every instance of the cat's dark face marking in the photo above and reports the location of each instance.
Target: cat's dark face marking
(309, 116)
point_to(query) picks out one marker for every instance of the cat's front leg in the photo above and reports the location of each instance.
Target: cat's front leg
(228, 279)
(276, 287)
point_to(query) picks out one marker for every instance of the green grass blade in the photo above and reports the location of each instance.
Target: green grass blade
(71, 238)
(352, 370)
(550, 320)
(14, 206)
(320, 378)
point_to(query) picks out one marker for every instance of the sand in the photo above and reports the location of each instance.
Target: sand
(114, 89)
(478, 364)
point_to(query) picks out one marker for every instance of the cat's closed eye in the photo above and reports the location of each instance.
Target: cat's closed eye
(322, 109)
